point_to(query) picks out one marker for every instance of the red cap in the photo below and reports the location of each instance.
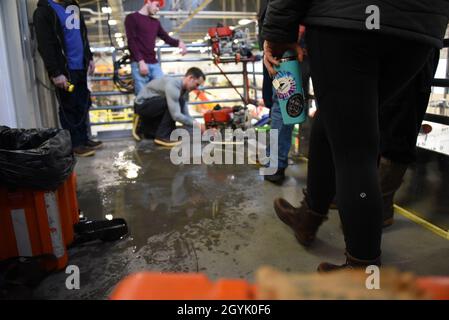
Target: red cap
(161, 2)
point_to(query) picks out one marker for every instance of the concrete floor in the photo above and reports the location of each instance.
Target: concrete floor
(218, 220)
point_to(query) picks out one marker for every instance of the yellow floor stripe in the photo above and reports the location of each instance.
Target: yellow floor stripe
(424, 223)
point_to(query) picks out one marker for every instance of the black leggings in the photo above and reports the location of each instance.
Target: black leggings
(354, 74)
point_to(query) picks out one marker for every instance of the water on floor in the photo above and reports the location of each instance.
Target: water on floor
(214, 219)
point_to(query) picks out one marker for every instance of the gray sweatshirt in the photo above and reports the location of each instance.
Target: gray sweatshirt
(171, 89)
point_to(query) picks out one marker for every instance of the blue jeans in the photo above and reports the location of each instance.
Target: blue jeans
(155, 72)
(284, 133)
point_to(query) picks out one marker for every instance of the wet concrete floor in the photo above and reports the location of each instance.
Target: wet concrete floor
(216, 219)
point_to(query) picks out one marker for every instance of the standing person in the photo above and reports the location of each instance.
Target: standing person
(271, 101)
(162, 103)
(63, 44)
(142, 29)
(355, 71)
(267, 86)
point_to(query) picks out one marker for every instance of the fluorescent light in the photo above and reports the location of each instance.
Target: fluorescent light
(106, 10)
(244, 22)
(112, 22)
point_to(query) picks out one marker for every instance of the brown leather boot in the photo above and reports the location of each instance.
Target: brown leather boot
(391, 176)
(351, 263)
(303, 221)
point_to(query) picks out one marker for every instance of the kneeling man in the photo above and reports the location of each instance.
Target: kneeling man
(162, 103)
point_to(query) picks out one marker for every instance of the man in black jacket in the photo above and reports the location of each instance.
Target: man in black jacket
(357, 67)
(63, 44)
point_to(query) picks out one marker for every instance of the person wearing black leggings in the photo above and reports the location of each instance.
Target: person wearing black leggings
(356, 72)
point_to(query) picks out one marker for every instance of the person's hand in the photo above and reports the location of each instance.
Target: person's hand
(143, 68)
(91, 68)
(273, 50)
(183, 47)
(61, 82)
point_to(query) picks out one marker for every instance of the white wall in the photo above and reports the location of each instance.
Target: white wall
(7, 107)
(19, 65)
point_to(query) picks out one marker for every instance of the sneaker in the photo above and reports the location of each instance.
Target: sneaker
(83, 151)
(166, 142)
(94, 144)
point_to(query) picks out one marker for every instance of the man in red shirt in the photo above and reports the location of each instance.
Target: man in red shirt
(142, 30)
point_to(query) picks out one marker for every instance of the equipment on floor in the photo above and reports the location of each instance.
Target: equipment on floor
(105, 230)
(229, 46)
(224, 118)
(227, 43)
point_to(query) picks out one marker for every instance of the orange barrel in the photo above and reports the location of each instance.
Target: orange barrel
(30, 225)
(436, 287)
(73, 198)
(69, 209)
(183, 286)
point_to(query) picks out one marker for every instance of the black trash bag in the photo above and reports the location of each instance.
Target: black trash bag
(39, 159)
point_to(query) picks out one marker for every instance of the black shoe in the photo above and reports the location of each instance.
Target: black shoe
(94, 144)
(278, 177)
(83, 151)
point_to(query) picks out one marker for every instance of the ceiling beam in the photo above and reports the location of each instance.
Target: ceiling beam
(203, 5)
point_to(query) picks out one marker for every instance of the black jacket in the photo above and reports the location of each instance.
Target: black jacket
(261, 17)
(420, 20)
(50, 39)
